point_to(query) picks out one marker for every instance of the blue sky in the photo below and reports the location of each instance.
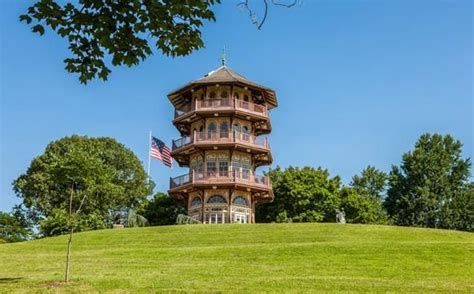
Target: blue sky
(357, 82)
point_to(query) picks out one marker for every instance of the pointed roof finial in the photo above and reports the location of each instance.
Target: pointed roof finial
(223, 57)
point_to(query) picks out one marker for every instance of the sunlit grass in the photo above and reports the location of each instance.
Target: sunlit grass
(244, 258)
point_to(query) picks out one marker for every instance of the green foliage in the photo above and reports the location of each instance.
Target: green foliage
(429, 187)
(371, 181)
(101, 172)
(135, 220)
(310, 195)
(59, 222)
(362, 208)
(362, 202)
(163, 210)
(13, 228)
(459, 213)
(121, 29)
(304, 194)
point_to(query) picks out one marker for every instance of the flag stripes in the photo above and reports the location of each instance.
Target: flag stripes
(160, 151)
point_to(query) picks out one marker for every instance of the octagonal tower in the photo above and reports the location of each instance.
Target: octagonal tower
(222, 117)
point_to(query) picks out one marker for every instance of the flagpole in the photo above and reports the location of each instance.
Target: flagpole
(149, 158)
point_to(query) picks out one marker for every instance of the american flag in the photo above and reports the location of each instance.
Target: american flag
(160, 151)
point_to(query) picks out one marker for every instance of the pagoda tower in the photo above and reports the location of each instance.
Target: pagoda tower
(221, 118)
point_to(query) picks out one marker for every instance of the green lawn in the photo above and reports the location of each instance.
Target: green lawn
(246, 258)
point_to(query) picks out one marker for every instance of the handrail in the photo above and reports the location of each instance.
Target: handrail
(222, 103)
(234, 176)
(221, 137)
(180, 180)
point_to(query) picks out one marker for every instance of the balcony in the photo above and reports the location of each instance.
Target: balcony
(230, 177)
(223, 104)
(216, 138)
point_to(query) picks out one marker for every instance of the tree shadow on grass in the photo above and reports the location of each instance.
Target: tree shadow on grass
(10, 280)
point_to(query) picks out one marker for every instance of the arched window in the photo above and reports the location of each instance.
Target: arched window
(236, 128)
(193, 164)
(245, 133)
(246, 98)
(245, 169)
(239, 200)
(211, 129)
(200, 168)
(236, 167)
(196, 201)
(224, 94)
(224, 130)
(216, 199)
(212, 95)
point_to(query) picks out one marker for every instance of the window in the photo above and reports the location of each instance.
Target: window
(224, 94)
(236, 128)
(239, 200)
(245, 169)
(211, 168)
(216, 199)
(240, 218)
(236, 168)
(200, 168)
(193, 164)
(211, 127)
(223, 168)
(212, 95)
(215, 218)
(245, 135)
(211, 130)
(196, 201)
(224, 130)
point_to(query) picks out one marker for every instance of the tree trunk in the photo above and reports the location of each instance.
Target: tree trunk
(69, 243)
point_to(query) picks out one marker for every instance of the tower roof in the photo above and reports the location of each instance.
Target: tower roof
(223, 75)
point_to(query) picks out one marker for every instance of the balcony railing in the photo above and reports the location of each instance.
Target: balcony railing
(221, 137)
(223, 103)
(218, 177)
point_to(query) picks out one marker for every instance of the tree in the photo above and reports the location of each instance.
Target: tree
(13, 227)
(429, 188)
(362, 202)
(163, 210)
(258, 22)
(98, 172)
(301, 194)
(360, 207)
(371, 181)
(121, 29)
(460, 210)
(126, 30)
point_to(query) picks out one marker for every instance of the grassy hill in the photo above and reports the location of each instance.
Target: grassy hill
(243, 258)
